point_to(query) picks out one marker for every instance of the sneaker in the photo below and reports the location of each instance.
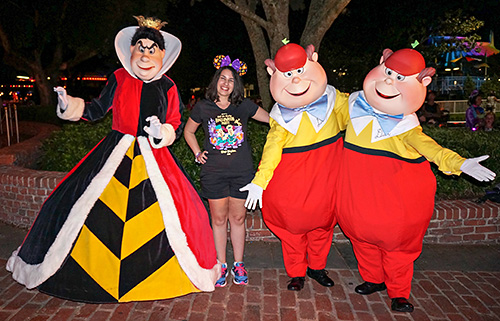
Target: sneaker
(221, 282)
(239, 273)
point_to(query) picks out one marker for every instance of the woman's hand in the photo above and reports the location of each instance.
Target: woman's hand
(201, 157)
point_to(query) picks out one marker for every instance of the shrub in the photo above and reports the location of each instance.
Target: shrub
(42, 114)
(66, 147)
(468, 144)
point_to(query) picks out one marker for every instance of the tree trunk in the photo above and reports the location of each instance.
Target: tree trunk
(321, 15)
(44, 86)
(260, 53)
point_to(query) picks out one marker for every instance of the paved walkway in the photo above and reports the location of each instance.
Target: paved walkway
(450, 283)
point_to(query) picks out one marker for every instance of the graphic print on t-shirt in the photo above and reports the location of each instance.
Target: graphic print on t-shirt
(226, 133)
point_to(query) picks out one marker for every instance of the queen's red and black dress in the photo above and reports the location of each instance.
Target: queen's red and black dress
(125, 224)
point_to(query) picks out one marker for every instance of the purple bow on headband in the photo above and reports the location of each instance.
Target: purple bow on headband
(226, 61)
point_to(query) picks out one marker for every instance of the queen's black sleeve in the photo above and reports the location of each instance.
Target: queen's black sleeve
(98, 107)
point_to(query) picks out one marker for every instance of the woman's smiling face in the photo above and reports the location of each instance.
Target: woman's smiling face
(225, 85)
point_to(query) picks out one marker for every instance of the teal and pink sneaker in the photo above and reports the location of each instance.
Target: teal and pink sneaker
(239, 273)
(221, 282)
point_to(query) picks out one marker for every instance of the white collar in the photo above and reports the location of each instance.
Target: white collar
(293, 125)
(359, 123)
(122, 46)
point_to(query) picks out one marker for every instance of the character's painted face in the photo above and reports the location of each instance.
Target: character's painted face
(299, 87)
(225, 84)
(146, 59)
(393, 93)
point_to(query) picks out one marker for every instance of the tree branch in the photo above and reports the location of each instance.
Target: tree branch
(247, 13)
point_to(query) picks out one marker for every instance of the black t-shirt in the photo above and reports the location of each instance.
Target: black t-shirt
(225, 135)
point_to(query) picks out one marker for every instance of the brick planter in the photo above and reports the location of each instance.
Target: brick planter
(23, 191)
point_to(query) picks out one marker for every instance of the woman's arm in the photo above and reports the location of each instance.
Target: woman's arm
(261, 115)
(190, 137)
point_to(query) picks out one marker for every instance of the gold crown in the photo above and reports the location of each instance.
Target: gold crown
(150, 22)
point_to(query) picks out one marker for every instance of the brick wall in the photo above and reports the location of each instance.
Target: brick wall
(23, 191)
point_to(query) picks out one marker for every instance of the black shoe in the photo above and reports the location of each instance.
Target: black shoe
(296, 284)
(401, 305)
(369, 288)
(320, 276)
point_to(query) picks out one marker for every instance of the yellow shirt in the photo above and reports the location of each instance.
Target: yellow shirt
(409, 145)
(279, 138)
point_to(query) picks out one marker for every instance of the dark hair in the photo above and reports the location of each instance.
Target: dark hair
(236, 96)
(148, 33)
(473, 96)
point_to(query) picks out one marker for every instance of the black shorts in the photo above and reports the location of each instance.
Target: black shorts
(216, 185)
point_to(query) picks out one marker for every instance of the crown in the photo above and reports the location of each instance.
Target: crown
(150, 22)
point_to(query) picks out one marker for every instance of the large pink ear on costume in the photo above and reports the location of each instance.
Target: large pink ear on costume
(271, 67)
(425, 76)
(385, 54)
(426, 81)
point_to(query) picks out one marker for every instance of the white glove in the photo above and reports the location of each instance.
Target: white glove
(254, 195)
(62, 98)
(472, 168)
(154, 128)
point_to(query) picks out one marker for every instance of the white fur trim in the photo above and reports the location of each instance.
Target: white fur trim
(122, 46)
(168, 136)
(74, 111)
(34, 275)
(203, 279)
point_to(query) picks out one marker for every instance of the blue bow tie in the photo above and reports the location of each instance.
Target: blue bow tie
(387, 122)
(317, 109)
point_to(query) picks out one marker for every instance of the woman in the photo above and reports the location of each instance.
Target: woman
(474, 116)
(226, 159)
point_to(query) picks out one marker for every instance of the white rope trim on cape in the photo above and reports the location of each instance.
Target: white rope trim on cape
(203, 279)
(33, 275)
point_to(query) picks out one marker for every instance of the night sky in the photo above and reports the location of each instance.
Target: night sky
(355, 40)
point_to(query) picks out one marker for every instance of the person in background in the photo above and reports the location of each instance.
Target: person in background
(474, 115)
(431, 113)
(226, 158)
(491, 102)
(489, 121)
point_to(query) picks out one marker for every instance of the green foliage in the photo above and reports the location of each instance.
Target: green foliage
(468, 144)
(68, 146)
(469, 85)
(41, 114)
(65, 148)
(491, 85)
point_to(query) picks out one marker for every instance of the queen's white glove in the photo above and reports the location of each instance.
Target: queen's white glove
(254, 195)
(472, 168)
(154, 128)
(62, 98)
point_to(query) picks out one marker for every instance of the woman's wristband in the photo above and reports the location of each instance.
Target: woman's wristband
(196, 157)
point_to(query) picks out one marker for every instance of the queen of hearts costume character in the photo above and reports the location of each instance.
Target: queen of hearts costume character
(299, 162)
(385, 191)
(125, 224)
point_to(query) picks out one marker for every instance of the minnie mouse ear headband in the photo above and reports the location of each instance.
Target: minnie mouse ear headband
(223, 61)
(474, 93)
(124, 37)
